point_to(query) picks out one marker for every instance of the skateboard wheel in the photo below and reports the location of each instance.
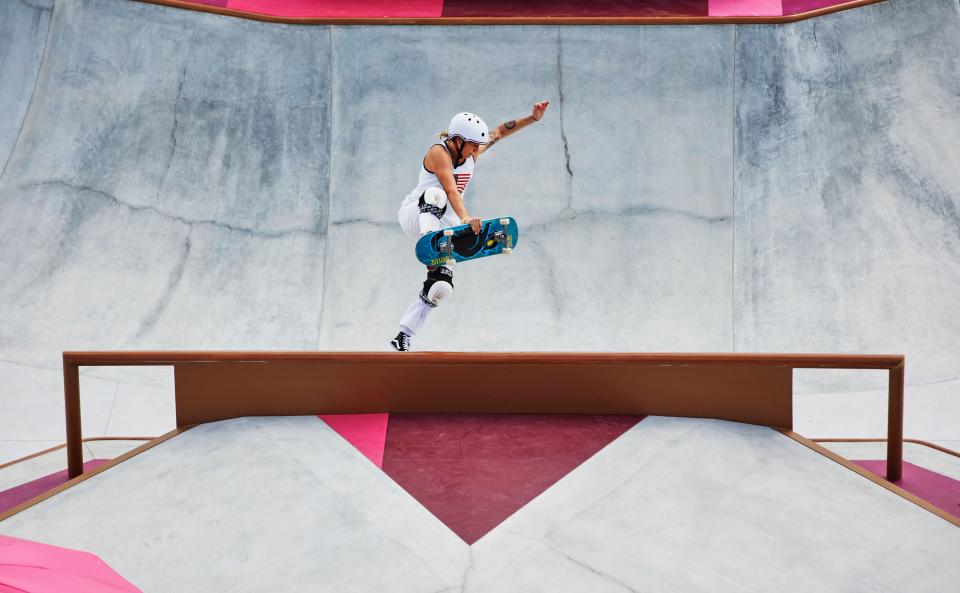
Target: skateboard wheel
(448, 233)
(507, 250)
(504, 221)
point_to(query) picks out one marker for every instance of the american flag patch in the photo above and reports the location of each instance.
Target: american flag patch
(462, 180)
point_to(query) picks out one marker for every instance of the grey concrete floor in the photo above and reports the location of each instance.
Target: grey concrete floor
(681, 505)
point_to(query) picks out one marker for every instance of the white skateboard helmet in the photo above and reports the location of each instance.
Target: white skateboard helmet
(470, 127)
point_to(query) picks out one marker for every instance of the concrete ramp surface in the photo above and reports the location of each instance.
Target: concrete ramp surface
(682, 505)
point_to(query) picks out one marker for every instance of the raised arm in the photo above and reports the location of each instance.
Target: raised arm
(515, 125)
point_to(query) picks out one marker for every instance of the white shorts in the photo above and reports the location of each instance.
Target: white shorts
(414, 225)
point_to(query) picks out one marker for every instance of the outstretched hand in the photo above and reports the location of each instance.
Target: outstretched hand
(539, 109)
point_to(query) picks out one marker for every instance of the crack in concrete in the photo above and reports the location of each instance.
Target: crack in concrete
(173, 131)
(733, 191)
(563, 132)
(331, 126)
(604, 576)
(113, 405)
(35, 7)
(189, 222)
(551, 274)
(350, 221)
(646, 210)
(151, 319)
(49, 268)
(558, 552)
(568, 214)
(468, 569)
(36, 77)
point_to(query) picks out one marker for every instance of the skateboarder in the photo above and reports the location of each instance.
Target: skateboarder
(437, 202)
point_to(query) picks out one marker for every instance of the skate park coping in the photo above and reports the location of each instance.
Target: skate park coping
(727, 13)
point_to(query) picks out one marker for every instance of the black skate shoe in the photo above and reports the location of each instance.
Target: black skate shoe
(401, 343)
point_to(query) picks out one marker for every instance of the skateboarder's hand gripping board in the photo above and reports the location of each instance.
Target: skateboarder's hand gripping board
(474, 223)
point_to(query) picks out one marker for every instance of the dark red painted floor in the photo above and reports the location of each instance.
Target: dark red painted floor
(578, 8)
(472, 471)
(937, 489)
(800, 6)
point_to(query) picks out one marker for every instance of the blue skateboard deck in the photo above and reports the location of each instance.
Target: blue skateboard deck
(497, 235)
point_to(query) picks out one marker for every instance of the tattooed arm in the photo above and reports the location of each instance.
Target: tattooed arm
(515, 125)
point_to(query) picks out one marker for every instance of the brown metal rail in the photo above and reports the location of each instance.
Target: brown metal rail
(752, 388)
(58, 447)
(85, 476)
(943, 514)
(526, 20)
(927, 444)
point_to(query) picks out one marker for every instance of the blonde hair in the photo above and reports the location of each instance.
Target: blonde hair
(443, 134)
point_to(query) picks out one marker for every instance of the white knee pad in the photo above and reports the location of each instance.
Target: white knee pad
(438, 286)
(433, 207)
(436, 197)
(439, 292)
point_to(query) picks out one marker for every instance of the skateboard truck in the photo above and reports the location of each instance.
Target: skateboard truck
(446, 246)
(501, 236)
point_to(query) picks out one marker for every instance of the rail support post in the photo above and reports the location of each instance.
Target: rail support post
(895, 424)
(71, 394)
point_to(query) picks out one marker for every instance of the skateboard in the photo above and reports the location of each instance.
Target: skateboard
(497, 235)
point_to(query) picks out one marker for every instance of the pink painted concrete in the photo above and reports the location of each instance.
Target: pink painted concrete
(366, 432)
(40, 568)
(24, 492)
(745, 8)
(937, 489)
(340, 8)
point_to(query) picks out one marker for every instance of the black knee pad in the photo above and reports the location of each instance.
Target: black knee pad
(439, 273)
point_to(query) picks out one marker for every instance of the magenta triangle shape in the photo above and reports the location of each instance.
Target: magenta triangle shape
(366, 432)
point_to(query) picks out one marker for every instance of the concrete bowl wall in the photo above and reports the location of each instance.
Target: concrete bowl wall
(182, 180)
